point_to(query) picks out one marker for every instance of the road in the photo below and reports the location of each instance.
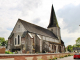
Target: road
(68, 58)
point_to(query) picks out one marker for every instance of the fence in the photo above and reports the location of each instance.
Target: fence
(45, 56)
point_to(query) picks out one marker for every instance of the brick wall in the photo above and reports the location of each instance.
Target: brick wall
(45, 56)
(2, 50)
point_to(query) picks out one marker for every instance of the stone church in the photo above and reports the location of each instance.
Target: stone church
(28, 37)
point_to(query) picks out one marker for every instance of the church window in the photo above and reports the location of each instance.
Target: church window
(15, 41)
(52, 46)
(18, 39)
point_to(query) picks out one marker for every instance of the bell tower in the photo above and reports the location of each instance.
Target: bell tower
(53, 24)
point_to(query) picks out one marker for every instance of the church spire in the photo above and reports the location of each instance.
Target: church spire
(53, 19)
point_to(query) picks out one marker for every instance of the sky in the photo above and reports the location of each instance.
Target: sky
(38, 12)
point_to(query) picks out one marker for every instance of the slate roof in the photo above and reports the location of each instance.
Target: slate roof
(10, 35)
(24, 34)
(62, 42)
(57, 43)
(37, 29)
(53, 19)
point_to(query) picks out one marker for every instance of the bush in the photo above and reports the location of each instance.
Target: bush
(69, 55)
(54, 58)
(65, 56)
(7, 52)
(62, 57)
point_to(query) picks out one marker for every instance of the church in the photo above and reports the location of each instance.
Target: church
(27, 37)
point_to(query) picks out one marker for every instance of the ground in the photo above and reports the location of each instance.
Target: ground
(68, 58)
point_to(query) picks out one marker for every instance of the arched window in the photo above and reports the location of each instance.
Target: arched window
(52, 46)
(18, 39)
(15, 41)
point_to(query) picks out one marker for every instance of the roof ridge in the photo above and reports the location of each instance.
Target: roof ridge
(33, 24)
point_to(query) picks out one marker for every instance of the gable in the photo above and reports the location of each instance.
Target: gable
(18, 27)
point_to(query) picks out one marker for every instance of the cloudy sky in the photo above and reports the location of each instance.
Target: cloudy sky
(38, 12)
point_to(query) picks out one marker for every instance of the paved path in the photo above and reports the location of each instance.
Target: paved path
(68, 58)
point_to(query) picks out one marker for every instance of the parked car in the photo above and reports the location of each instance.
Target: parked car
(76, 56)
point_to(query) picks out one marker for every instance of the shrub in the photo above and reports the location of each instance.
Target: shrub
(54, 58)
(65, 56)
(69, 55)
(7, 52)
(62, 57)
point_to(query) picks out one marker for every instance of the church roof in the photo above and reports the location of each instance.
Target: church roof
(10, 35)
(62, 42)
(53, 19)
(37, 29)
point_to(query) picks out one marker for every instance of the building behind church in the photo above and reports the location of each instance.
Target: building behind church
(28, 37)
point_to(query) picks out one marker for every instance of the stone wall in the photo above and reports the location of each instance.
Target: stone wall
(45, 56)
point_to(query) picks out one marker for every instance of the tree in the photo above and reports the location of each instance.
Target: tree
(78, 42)
(75, 46)
(70, 48)
(1, 41)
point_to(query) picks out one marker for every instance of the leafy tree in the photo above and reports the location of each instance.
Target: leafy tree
(1, 41)
(70, 48)
(75, 46)
(78, 42)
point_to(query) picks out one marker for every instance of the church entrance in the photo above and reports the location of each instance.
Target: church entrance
(13, 50)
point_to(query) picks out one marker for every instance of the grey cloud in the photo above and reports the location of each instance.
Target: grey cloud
(31, 3)
(27, 5)
(71, 16)
(36, 21)
(67, 40)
